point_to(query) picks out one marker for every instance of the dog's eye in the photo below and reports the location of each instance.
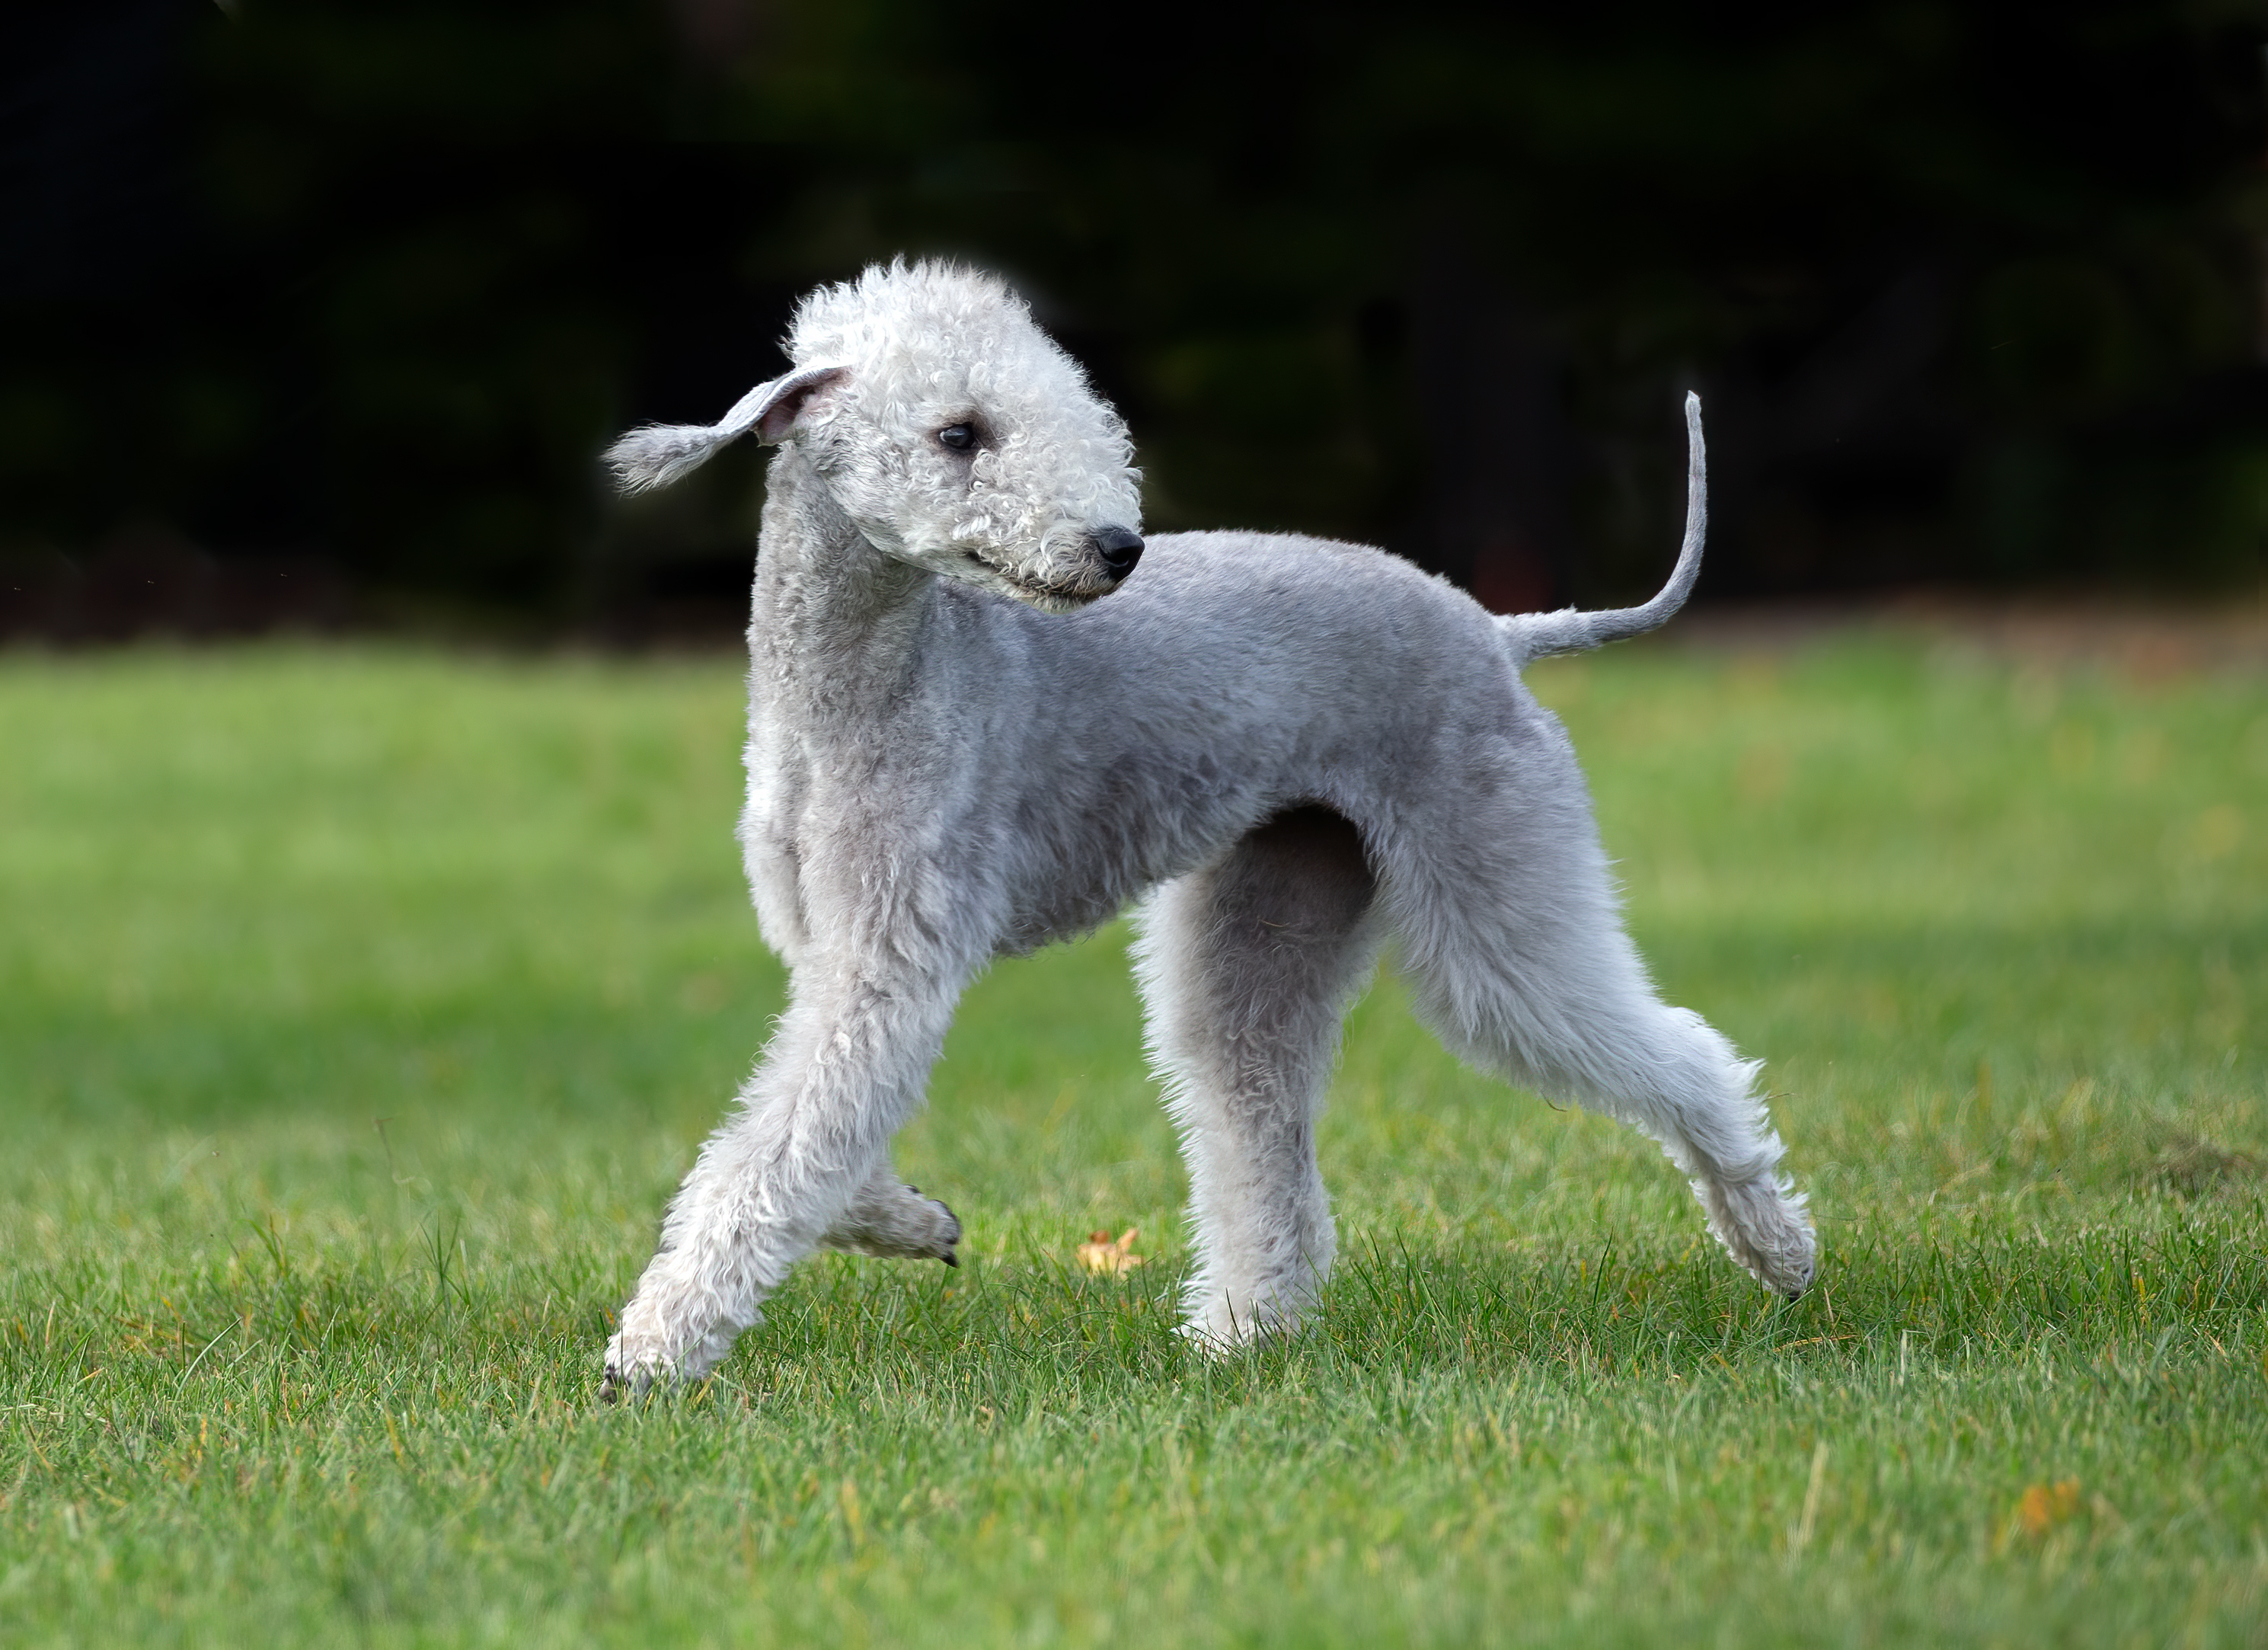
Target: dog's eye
(959, 438)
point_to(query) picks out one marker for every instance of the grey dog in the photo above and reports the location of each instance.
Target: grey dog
(975, 727)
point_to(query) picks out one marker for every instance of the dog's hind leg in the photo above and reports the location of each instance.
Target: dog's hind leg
(1516, 951)
(893, 1219)
(1248, 966)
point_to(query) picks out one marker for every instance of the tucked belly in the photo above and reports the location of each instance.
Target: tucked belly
(1091, 843)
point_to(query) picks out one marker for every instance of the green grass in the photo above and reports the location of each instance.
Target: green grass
(359, 1011)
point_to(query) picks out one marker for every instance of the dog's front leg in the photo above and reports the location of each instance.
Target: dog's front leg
(845, 1069)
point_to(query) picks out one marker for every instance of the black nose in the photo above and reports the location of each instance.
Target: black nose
(1119, 549)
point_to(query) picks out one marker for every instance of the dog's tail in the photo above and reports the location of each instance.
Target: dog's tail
(1538, 635)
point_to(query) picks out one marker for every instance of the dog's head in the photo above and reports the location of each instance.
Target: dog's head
(949, 428)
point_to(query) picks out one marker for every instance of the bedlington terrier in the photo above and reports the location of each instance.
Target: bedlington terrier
(983, 714)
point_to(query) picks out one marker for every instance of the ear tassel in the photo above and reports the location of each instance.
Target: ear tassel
(654, 456)
(657, 454)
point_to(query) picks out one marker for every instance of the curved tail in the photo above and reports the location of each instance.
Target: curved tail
(1538, 635)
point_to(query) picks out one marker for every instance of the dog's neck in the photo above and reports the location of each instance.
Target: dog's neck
(832, 618)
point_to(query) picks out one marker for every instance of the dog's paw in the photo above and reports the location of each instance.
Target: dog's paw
(1218, 1324)
(623, 1380)
(634, 1368)
(947, 1230)
(1764, 1226)
(899, 1224)
(1216, 1341)
(666, 1340)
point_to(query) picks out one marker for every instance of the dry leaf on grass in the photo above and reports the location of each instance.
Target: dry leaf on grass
(2044, 1506)
(1102, 1253)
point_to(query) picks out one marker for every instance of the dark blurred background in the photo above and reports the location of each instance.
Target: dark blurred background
(315, 314)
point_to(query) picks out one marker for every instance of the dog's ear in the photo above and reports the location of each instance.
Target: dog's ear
(783, 400)
(656, 454)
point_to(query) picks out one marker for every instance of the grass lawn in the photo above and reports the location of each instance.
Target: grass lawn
(359, 1011)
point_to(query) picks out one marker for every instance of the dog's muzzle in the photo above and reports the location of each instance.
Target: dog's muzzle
(1117, 547)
